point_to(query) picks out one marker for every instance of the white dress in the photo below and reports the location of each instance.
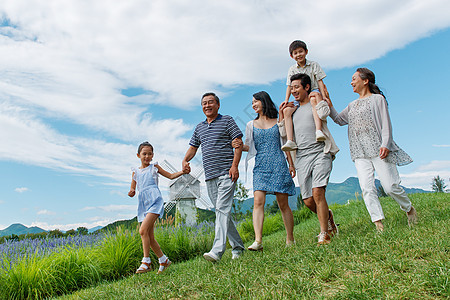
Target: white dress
(149, 196)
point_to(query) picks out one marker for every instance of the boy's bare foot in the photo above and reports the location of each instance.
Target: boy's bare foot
(412, 217)
(379, 225)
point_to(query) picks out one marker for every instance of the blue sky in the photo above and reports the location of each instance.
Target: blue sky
(83, 83)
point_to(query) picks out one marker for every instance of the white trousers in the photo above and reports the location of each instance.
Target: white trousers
(390, 181)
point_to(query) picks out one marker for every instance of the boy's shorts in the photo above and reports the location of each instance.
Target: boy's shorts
(297, 104)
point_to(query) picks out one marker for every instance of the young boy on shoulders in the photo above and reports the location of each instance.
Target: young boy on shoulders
(298, 51)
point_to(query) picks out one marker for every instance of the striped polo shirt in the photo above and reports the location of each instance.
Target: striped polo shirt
(215, 139)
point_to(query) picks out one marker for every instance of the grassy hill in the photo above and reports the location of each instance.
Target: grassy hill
(401, 263)
(335, 193)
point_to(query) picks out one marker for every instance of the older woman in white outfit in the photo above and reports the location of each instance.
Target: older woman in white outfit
(372, 147)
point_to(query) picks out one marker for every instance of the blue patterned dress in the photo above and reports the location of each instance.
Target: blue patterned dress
(271, 172)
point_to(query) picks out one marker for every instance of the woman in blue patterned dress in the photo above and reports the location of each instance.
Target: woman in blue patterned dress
(271, 173)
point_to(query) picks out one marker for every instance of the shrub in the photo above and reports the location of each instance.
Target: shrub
(43, 268)
(118, 253)
(30, 278)
(74, 269)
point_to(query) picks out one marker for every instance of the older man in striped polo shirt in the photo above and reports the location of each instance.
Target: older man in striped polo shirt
(220, 162)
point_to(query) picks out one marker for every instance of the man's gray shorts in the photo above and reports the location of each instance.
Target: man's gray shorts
(313, 171)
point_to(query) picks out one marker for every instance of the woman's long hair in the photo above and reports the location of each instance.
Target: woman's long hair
(268, 107)
(365, 73)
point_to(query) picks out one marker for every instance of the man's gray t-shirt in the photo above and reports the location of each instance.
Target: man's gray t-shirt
(305, 131)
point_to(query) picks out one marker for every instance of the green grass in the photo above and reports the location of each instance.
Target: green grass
(401, 263)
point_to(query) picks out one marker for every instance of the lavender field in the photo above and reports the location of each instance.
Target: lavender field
(39, 268)
(42, 268)
(14, 250)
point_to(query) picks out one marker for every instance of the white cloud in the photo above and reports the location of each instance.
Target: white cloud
(144, 44)
(441, 146)
(68, 62)
(65, 227)
(46, 212)
(436, 165)
(111, 208)
(424, 174)
(21, 190)
(86, 208)
(73, 154)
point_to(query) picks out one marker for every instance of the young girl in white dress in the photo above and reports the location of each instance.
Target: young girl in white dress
(151, 204)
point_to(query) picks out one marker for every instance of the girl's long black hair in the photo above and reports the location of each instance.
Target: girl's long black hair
(269, 109)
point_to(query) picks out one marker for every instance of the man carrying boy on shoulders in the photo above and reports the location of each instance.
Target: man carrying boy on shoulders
(313, 158)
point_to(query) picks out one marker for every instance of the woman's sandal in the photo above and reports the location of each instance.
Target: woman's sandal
(163, 266)
(255, 246)
(143, 268)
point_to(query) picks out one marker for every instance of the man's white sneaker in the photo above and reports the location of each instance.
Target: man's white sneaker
(289, 146)
(209, 256)
(236, 255)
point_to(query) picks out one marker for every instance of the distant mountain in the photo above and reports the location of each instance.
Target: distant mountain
(19, 229)
(132, 223)
(342, 192)
(94, 229)
(336, 193)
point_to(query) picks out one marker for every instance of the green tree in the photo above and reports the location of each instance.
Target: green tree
(240, 194)
(82, 230)
(70, 232)
(14, 237)
(55, 233)
(438, 184)
(272, 208)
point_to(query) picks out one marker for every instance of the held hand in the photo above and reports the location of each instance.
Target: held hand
(292, 171)
(186, 169)
(384, 152)
(234, 173)
(237, 143)
(131, 193)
